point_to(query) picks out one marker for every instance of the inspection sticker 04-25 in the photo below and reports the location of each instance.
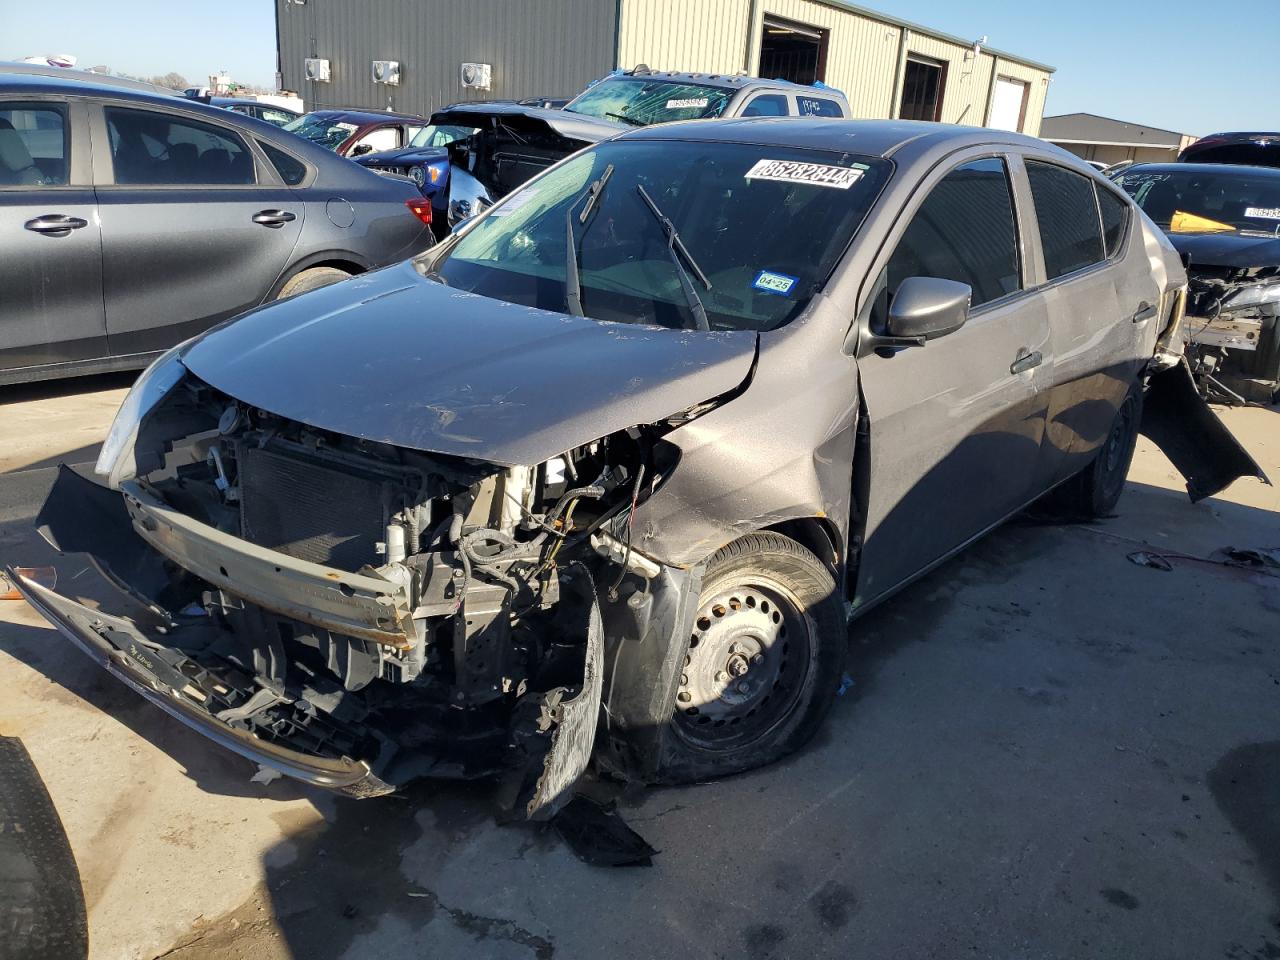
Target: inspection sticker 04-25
(793, 171)
(767, 281)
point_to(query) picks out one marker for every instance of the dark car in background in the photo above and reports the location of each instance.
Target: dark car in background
(272, 113)
(1225, 221)
(129, 222)
(353, 133)
(1250, 149)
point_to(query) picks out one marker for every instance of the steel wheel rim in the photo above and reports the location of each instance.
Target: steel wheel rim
(749, 655)
(1117, 445)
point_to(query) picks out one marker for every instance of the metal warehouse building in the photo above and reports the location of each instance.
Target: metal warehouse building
(417, 55)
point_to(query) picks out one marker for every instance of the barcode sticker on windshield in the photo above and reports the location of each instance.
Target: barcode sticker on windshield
(517, 202)
(685, 104)
(1263, 213)
(793, 171)
(779, 283)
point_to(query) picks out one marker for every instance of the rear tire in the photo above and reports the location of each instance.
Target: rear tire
(1095, 490)
(762, 663)
(312, 279)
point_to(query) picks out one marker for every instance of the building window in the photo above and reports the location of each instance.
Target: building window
(792, 51)
(923, 83)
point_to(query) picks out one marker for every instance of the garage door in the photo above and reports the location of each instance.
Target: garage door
(1008, 108)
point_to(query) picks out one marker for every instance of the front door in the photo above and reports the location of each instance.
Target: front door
(194, 230)
(50, 248)
(955, 425)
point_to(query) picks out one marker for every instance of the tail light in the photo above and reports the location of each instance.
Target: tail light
(421, 208)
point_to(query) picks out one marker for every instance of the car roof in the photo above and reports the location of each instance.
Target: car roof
(363, 116)
(248, 102)
(1252, 170)
(31, 83)
(10, 70)
(726, 81)
(876, 138)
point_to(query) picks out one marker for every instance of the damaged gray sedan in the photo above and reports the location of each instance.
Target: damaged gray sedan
(604, 475)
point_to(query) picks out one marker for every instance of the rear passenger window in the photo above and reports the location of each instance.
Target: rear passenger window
(767, 105)
(818, 107)
(149, 148)
(33, 145)
(1115, 218)
(1070, 232)
(292, 170)
(964, 231)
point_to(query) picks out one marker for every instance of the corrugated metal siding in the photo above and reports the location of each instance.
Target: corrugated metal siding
(863, 54)
(536, 47)
(708, 36)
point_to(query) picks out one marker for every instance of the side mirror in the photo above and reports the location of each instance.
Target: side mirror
(361, 149)
(925, 308)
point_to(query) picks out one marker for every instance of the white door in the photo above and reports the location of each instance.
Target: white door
(1006, 107)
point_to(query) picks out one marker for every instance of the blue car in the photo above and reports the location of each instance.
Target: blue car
(425, 160)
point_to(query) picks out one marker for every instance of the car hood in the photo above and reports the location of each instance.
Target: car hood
(390, 356)
(487, 113)
(404, 156)
(1227, 249)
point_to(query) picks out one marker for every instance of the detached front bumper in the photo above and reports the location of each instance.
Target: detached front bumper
(123, 650)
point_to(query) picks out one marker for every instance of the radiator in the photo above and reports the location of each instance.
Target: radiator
(310, 511)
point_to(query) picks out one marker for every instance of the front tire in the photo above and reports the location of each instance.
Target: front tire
(762, 663)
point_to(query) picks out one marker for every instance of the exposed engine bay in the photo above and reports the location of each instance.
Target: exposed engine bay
(1232, 318)
(351, 600)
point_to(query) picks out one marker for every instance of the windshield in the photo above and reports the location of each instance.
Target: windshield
(1223, 200)
(320, 129)
(757, 232)
(640, 101)
(442, 136)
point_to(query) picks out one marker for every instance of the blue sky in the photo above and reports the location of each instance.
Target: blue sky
(1185, 65)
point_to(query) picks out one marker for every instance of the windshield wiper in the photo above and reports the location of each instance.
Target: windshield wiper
(572, 278)
(626, 119)
(678, 252)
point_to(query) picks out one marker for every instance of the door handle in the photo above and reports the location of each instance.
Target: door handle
(55, 224)
(1145, 312)
(273, 218)
(1026, 361)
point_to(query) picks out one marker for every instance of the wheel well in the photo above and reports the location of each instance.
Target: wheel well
(818, 535)
(349, 266)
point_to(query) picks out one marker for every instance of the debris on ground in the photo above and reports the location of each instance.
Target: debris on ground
(600, 837)
(45, 576)
(265, 775)
(846, 682)
(1155, 561)
(1263, 558)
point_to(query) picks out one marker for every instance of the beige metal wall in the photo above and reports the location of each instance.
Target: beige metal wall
(864, 55)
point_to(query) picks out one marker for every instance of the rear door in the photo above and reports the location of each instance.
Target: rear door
(195, 227)
(955, 425)
(50, 244)
(1103, 313)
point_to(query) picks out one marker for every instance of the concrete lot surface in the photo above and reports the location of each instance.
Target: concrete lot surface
(1048, 752)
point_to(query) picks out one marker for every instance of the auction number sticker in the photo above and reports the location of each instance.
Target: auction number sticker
(779, 283)
(516, 203)
(1263, 213)
(698, 102)
(793, 171)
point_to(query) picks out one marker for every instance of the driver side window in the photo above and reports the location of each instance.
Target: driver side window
(964, 231)
(384, 138)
